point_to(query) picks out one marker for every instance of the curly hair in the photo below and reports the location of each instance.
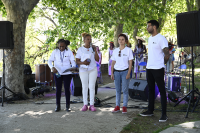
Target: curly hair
(67, 42)
(84, 35)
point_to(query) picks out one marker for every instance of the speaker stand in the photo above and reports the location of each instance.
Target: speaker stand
(4, 87)
(191, 93)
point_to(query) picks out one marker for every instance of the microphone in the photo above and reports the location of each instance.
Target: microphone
(92, 47)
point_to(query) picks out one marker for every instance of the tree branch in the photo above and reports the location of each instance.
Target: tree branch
(130, 5)
(38, 40)
(47, 17)
(50, 8)
(50, 20)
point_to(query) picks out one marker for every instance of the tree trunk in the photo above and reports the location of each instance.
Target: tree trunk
(118, 30)
(161, 21)
(197, 4)
(188, 5)
(17, 13)
(135, 34)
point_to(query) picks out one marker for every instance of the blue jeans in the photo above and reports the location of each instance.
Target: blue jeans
(121, 84)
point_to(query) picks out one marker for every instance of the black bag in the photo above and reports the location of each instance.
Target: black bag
(27, 69)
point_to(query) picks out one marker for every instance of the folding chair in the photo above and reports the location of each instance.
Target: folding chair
(142, 64)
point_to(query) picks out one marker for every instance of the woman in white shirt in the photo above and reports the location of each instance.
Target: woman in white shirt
(86, 57)
(121, 68)
(140, 49)
(63, 59)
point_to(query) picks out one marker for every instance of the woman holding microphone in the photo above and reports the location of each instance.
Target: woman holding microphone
(122, 58)
(63, 59)
(86, 57)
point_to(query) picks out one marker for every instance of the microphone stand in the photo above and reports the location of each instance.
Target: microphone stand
(136, 65)
(4, 87)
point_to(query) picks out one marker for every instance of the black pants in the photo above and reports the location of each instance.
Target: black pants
(67, 81)
(156, 75)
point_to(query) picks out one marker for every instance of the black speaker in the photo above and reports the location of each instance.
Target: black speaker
(138, 89)
(76, 86)
(188, 29)
(172, 96)
(6, 35)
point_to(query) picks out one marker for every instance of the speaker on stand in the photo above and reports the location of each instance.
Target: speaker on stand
(188, 35)
(6, 42)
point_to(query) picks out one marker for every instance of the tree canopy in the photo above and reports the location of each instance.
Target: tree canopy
(98, 17)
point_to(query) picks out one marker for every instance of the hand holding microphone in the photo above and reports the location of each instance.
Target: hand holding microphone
(87, 62)
(93, 47)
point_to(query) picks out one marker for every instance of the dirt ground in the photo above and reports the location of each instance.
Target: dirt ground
(37, 115)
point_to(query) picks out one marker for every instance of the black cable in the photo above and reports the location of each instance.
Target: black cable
(136, 107)
(103, 101)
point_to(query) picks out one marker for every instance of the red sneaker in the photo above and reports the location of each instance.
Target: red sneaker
(116, 109)
(124, 110)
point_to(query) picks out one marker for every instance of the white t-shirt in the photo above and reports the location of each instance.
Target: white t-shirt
(156, 44)
(122, 62)
(84, 54)
(62, 60)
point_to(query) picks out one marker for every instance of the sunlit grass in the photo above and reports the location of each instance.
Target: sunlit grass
(176, 114)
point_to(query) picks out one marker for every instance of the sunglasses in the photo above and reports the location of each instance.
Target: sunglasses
(119, 53)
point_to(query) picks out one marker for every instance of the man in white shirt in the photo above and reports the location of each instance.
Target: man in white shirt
(158, 55)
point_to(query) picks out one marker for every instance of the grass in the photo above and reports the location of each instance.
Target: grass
(159, 130)
(127, 128)
(176, 114)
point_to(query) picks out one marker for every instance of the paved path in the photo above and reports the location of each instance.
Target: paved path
(34, 118)
(188, 127)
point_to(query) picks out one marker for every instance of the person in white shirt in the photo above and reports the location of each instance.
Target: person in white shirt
(158, 55)
(168, 64)
(63, 59)
(86, 57)
(122, 59)
(140, 49)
